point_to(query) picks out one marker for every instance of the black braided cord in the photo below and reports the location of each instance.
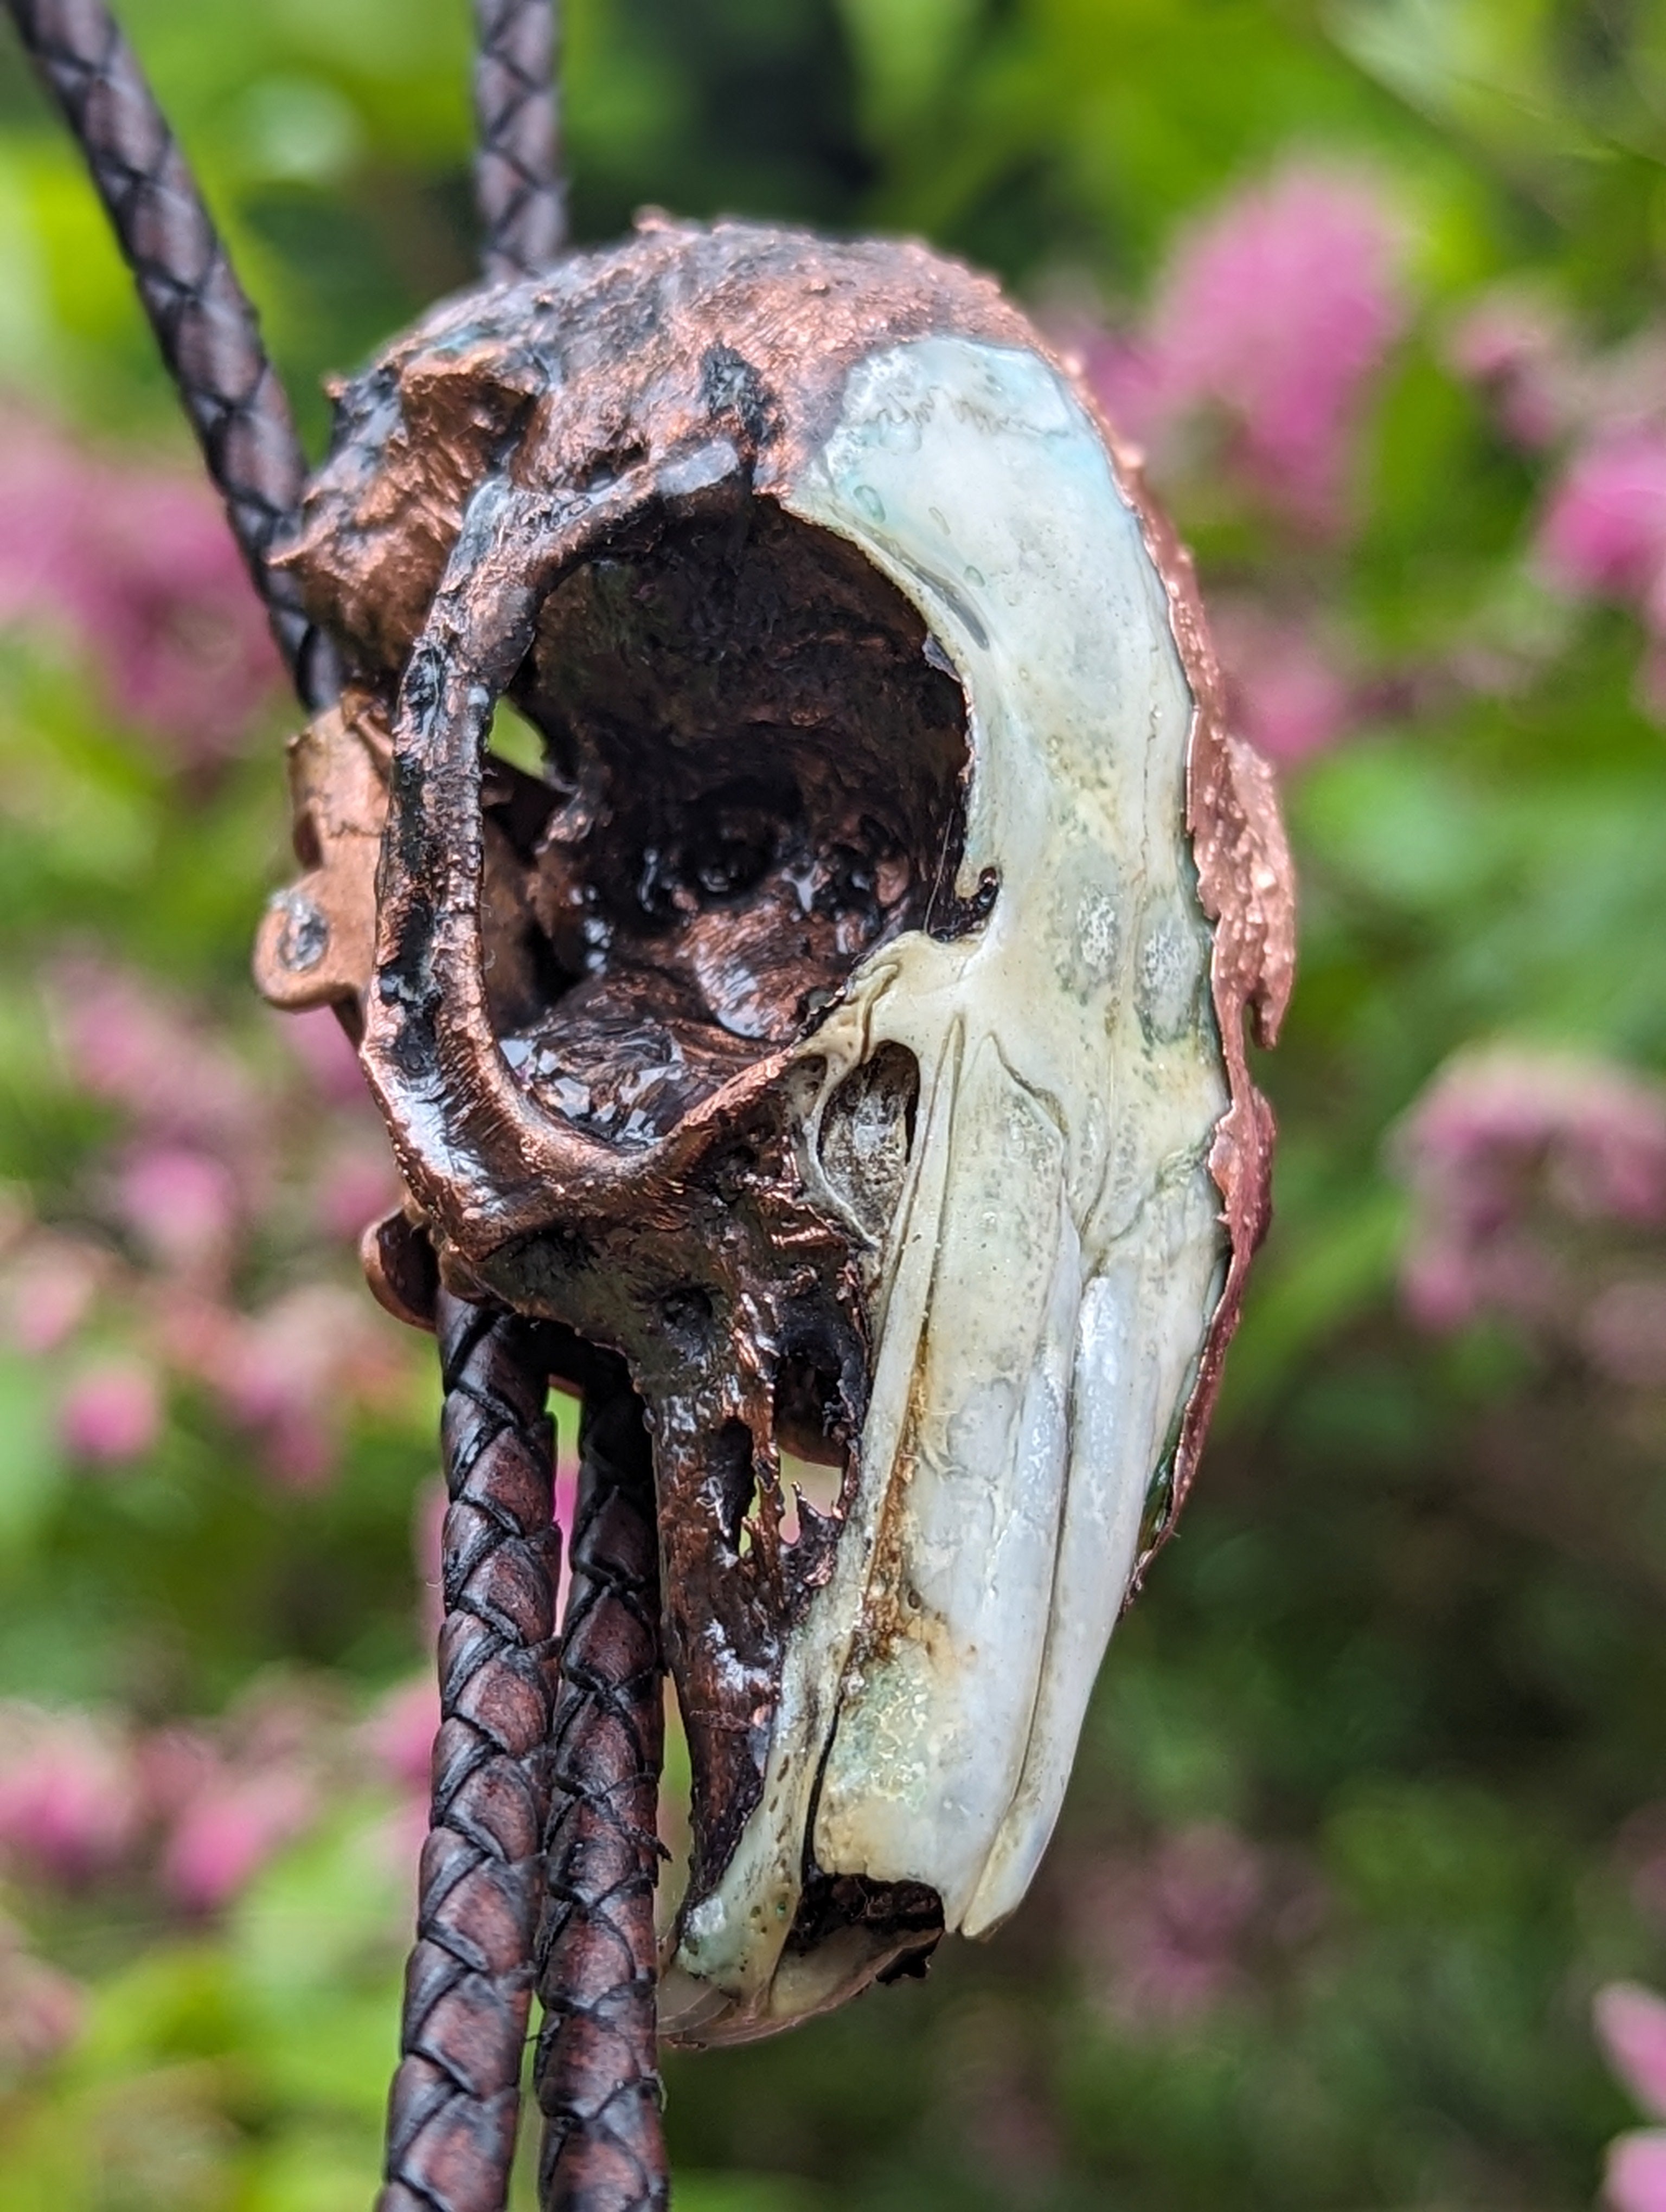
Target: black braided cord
(596, 2069)
(519, 183)
(452, 2112)
(204, 324)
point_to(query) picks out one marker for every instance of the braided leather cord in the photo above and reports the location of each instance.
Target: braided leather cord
(203, 320)
(596, 2071)
(517, 170)
(452, 2112)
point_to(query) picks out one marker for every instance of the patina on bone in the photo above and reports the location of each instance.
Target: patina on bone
(848, 1027)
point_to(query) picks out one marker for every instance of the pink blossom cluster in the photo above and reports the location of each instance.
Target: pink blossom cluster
(1547, 385)
(1539, 1190)
(215, 1161)
(136, 567)
(1168, 1935)
(1631, 2025)
(197, 1812)
(1602, 531)
(1272, 318)
(1254, 368)
(41, 2009)
(1289, 690)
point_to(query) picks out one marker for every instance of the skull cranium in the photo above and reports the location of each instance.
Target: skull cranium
(846, 1025)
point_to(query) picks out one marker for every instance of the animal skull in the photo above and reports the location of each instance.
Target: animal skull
(846, 1026)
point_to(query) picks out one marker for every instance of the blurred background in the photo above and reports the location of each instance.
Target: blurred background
(1371, 1806)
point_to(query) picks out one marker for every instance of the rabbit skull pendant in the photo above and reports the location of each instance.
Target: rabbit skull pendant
(847, 1025)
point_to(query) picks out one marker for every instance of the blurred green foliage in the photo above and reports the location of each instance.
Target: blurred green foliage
(1406, 1658)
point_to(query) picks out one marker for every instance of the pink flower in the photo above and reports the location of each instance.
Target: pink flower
(1518, 348)
(1604, 530)
(292, 1373)
(138, 567)
(1284, 693)
(229, 1830)
(1546, 383)
(51, 1283)
(1506, 1143)
(1163, 1937)
(112, 1415)
(174, 1765)
(1277, 310)
(322, 1046)
(357, 1184)
(182, 1205)
(131, 1046)
(1635, 2179)
(400, 1735)
(1631, 2025)
(69, 1803)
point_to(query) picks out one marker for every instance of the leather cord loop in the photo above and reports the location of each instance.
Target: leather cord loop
(452, 2112)
(519, 183)
(596, 2069)
(204, 324)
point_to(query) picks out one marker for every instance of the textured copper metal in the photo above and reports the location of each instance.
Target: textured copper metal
(645, 336)
(598, 376)
(316, 941)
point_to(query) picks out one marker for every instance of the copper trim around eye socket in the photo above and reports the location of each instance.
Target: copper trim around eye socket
(477, 1150)
(484, 1162)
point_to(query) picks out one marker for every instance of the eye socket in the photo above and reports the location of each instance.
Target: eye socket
(730, 842)
(515, 741)
(735, 852)
(753, 774)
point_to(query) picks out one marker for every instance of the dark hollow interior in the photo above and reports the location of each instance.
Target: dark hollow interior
(753, 773)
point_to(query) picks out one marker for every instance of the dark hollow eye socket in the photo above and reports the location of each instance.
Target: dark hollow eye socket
(754, 773)
(727, 842)
(732, 850)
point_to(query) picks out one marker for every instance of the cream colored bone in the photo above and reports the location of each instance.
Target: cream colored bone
(1043, 1288)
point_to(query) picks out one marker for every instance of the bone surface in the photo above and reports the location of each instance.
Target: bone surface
(1043, 1286)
